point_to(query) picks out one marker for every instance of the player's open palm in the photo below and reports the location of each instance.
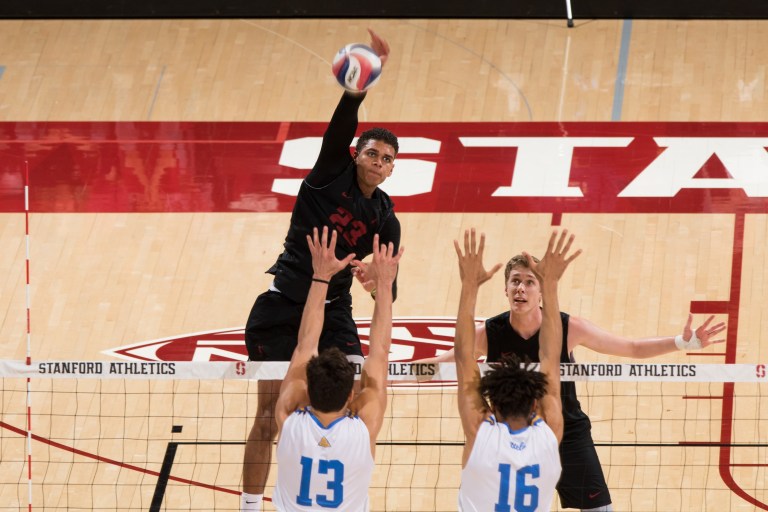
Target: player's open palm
(556, 259)
(325, 264)
(471, 268)
(705, 333)
(385, 262)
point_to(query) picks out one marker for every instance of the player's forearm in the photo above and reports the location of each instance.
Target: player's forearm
(464, 347)
(637, 348)
(551, 333)
(391, 233)
(343, 124)
(381, 324)
(652, 347)
(375, 367)
(334, 151)
(313, 316)
(445, 357)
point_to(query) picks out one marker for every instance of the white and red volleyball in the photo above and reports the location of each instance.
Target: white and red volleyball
(356, 67)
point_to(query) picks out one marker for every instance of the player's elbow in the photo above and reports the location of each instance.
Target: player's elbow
(557, 429)
(552, 412)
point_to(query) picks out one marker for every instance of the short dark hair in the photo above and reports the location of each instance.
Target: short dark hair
(329, 380)
(510, 387)
(381, 134)
(517, 260)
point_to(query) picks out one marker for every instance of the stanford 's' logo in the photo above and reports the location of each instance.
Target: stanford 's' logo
(412, 338)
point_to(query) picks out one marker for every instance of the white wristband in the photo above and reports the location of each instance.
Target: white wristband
(693, 344)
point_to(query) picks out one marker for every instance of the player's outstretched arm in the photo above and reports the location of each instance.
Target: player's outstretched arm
(334, 151)
(472, 407)
(585, 333)
(481, 348)
(324, 265)
(371, 403)
(548, 271)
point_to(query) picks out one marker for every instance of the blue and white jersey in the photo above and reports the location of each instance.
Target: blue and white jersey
(510, 469)
(323, 468)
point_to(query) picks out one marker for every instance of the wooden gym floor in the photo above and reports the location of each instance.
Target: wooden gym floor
(104, 279)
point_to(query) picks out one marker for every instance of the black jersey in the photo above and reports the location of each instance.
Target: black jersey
(503, 339)
(330, 196)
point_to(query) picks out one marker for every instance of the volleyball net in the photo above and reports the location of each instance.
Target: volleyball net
(118, 435)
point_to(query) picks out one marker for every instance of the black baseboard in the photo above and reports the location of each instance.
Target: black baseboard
(582, 9)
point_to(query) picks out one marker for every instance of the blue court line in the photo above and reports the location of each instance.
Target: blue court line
(621, 72)
(2, 70)
(157, 90)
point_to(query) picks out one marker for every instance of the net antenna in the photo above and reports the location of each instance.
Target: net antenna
(29, 338)
(569, 13)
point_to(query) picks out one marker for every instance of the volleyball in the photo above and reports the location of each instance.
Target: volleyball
(356, 67)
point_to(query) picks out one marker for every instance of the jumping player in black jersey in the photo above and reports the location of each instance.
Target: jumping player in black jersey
(341, 192)
(582, 484)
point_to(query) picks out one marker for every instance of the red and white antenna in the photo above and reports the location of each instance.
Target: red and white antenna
(29, 336)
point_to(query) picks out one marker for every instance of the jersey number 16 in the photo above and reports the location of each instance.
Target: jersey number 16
(526, 495)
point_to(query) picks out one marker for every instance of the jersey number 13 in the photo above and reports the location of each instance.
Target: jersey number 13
(335, 470)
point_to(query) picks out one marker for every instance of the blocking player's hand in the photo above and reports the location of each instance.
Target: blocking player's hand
(471, 268)
(325, 264)
(365, 275)
(385, 263)
(556, 259)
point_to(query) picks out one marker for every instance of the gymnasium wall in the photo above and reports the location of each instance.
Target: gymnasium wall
(582, 9)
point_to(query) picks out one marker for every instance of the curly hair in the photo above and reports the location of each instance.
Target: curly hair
(381, 134)
(330, 377)
(510, 387)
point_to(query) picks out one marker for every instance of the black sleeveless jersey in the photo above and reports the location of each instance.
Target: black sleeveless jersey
(330, 196)
(503, 339)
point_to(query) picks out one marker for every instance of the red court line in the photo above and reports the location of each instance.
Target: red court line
(726, 426)
(709, 306)
(112, 461)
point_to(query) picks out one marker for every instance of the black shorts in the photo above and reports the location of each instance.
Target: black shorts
(582, 483)
(272, 330)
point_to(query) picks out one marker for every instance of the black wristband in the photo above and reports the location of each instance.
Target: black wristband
(318, 280)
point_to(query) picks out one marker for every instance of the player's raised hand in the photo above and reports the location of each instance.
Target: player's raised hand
(380, 46)
(385, 263)
(703, 336)
(556, 259)
(471, 268)
(324, 261)
(364, 274)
